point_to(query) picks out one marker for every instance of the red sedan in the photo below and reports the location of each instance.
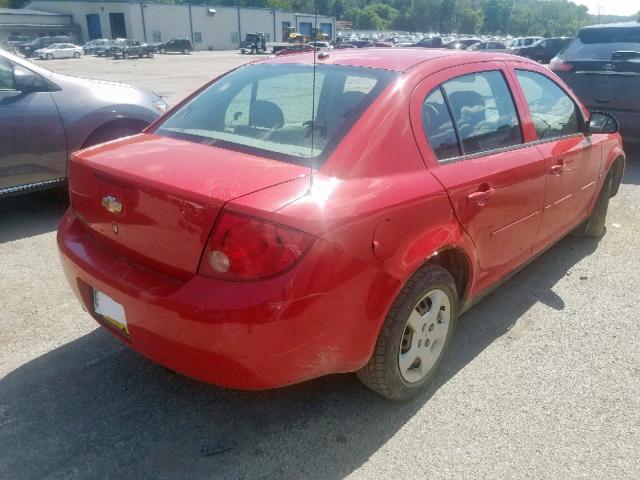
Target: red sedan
(263, 233)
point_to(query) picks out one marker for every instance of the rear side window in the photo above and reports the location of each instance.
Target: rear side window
(484, 112)
(553, 112)
(438, 126)
(270, 110)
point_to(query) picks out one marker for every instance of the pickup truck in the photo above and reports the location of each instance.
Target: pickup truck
(132, 48)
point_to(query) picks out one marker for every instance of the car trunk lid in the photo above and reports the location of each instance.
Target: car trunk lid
(154, 200)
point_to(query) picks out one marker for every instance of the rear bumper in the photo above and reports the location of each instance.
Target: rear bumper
(321, 317)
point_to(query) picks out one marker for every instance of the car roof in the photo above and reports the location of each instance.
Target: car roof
(396, 59)
(614, 25)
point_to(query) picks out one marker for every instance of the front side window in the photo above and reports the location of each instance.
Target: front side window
(6, 76)
(438, 126)
(553, 112)
(274, 110)
(484, 112)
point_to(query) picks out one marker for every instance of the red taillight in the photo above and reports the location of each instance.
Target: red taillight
(244, 248)
(557, 64)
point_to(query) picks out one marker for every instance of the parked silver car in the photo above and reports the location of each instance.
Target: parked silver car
(44, 116)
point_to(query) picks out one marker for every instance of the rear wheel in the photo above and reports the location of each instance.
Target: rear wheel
(415, 335)
(49, 56)
(149, 54)
(76, 55)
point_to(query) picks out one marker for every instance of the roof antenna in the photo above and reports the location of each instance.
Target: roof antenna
(313, 96)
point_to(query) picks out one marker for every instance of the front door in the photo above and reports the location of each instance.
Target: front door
(33, 147)
(495, 181)
(572, 160)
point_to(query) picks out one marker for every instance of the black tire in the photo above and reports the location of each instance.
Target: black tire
(149, 54)
(49, 56)
(382, 373)
(76, 55)
(595, 227)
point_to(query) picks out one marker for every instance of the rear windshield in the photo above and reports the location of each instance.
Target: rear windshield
(601, 43)
(269, 109)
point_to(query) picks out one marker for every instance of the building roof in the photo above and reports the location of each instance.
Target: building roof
(24, 11)
(180, 3)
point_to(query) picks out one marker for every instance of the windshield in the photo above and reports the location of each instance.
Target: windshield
(268, 109)
(601, 43)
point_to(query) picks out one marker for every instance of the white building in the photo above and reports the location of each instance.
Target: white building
(208, 27)
(32, 23)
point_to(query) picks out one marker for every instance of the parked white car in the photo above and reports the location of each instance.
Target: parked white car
(522, 42)
(59, 50)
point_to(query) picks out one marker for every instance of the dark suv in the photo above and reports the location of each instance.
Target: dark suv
(181, 45)
(602, 66)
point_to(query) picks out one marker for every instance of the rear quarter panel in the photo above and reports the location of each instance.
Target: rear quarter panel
(374, 198)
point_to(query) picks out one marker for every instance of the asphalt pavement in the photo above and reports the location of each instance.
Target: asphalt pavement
(543, 379)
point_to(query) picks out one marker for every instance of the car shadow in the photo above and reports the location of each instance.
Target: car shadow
(23, 216)
(94, 409)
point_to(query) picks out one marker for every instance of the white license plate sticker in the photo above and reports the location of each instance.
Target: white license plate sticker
(110, 310)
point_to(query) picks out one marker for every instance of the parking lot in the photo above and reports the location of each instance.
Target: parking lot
(179, 74)
(542, 380)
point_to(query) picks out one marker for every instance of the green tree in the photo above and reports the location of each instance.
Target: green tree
(497, 14)
(13, 3)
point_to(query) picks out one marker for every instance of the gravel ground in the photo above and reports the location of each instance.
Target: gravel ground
(543, 379)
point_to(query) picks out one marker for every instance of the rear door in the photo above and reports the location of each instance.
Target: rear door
(66, 50)
(572, 159)
(469, 131)
(33, 146)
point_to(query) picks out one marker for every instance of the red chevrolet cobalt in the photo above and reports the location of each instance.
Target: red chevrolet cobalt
(288, 221)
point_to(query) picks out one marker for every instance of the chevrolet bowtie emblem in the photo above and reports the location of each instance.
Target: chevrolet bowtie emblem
(112, 204)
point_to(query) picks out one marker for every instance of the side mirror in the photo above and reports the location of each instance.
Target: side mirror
(600, 122)
(25, 80)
